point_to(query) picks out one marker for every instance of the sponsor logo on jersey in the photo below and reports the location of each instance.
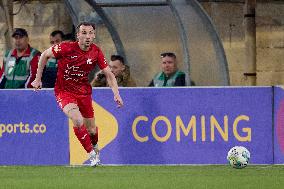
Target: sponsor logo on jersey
(73, 73)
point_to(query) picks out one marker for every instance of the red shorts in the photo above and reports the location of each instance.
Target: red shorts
(84, 102)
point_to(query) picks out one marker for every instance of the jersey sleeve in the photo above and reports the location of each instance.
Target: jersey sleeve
(102, 62)
(60, 50)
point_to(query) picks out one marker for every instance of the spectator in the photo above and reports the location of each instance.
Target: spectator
(56, 37)
(50, 70)
(170, 75)
(120, 71)
(19, 64)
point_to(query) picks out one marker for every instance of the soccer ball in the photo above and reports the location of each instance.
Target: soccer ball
(238, 157)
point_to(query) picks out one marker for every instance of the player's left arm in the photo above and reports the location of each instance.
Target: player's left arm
(113, 85)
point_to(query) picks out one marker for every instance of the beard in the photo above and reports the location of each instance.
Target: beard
(87, 43)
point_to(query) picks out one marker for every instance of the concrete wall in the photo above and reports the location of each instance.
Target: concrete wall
(42, 17)
(270, 43)
(231, 31)
(3, 30)
(229, 22)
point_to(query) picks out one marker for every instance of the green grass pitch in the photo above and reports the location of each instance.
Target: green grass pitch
(136, 177)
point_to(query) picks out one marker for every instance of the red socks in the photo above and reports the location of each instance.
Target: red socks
(87, 140)
(95, 137)
(84, 137)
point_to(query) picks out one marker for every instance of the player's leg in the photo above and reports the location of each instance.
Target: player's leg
(72, 111)
(86, 108)
(93, 131)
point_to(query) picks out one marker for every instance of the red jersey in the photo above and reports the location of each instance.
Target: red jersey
(74, 66)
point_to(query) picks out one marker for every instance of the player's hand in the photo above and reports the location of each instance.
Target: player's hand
(36, 84)
(118, 100)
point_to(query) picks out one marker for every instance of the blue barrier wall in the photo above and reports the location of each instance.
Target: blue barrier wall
(279, 125)
(33, 131)
(190, 126)
(156, 126)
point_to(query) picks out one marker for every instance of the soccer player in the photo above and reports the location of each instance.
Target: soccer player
(72, 89)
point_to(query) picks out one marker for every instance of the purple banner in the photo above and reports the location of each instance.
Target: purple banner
(189, 125)
(156, 126)
(279, 125)
(33, 130)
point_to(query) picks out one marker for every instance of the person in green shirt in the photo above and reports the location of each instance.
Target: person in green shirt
(20, 63)
(170, 76)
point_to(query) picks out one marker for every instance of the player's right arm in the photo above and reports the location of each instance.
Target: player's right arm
(37, 84)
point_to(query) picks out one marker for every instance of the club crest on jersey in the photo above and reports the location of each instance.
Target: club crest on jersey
(89, 61)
